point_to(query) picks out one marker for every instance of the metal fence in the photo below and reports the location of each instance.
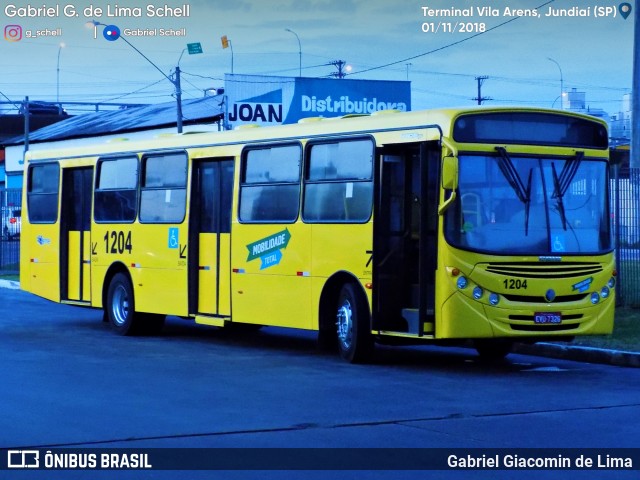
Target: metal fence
(11, 217)
(625, 203)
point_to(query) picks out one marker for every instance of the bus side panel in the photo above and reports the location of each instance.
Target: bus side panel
(343, 247)
(39, 259)
(271, 283)
(155, 256)
(159, 268)
(98, 273)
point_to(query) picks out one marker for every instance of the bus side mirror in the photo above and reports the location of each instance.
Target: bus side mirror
(449, 181)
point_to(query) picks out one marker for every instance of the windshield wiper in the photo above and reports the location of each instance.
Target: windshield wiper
(567, 174)
(561, 183)
(523, 193)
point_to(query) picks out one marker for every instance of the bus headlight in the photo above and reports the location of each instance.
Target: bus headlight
(462, 282)
(604, 293)
(494, 298)
(612, 282)
(477, 293)
(595, 298)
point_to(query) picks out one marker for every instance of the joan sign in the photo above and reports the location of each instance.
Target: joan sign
(272, 100)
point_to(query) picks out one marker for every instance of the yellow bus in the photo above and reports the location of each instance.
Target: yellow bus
(489, 225)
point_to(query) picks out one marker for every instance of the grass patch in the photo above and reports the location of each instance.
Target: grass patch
(625, 336)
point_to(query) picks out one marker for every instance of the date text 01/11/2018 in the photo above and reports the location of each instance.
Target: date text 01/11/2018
(453, 27)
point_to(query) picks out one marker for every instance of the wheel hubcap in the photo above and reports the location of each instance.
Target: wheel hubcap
(120, 306)
(345, 324)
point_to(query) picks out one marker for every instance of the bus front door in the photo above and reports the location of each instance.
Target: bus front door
(210, 238)
(75, 234)
(405, 239)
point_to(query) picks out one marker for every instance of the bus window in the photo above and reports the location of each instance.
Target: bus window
(116, 193)
(42, 193)
(339, 183)
(164, 193)
(270, 184)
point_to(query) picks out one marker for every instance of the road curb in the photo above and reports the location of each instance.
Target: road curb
(581, 354)
(11, 284)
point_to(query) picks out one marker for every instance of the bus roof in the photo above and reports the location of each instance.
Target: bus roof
(436, 123)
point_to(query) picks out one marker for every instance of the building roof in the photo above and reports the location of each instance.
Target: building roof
(12, 125)
(147, 117)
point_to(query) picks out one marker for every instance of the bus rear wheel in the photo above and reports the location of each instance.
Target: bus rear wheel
(355, 342)
(120, 307)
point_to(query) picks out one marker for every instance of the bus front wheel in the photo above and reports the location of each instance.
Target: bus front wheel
(120, 306)
(355, 341)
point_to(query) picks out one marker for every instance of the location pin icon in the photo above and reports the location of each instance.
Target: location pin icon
(624, 9)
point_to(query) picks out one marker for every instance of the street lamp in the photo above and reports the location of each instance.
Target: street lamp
(561, 83)
(60, 47)
(175, 83)
(299, 51)
(226, 43)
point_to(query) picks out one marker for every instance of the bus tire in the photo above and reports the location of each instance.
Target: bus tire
(120, 306)
(493, 350)
(355, 342)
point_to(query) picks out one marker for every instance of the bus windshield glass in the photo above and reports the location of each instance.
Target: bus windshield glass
(531, 205)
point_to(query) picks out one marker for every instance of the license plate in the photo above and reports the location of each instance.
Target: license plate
(547, 318)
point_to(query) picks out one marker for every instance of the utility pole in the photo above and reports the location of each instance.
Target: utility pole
(480, 98)
(178, 99)
(27, 126)
(340, 65)
(175, 83)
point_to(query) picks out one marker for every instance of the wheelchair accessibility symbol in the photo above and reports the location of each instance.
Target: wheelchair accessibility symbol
(558, 244)
(173, 238)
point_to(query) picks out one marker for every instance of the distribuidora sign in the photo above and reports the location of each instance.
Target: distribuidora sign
(272, 100)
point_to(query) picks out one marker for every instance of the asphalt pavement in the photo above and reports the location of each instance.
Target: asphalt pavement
(551, 350)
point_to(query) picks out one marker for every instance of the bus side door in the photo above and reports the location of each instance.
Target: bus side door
(210, 237)
(75, 234)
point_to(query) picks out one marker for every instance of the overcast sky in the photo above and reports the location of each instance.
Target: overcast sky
(593, 53)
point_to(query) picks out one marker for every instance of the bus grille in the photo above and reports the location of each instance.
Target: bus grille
(544, 270)
(558, 299)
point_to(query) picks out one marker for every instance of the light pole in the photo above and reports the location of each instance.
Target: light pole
(299, 51)
(60, 47)
(175, 83)
(561, 83)
(226, 43)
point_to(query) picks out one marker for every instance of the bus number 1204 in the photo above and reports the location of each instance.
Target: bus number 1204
(118, 241)
(515, 284)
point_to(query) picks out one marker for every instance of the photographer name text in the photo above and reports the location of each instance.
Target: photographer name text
(91, 11)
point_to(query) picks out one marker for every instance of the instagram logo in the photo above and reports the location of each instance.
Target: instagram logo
(12, 33)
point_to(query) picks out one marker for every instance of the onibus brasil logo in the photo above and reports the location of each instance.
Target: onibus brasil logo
(268, 249)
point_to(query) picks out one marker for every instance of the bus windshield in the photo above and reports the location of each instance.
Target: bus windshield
(532, 205)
